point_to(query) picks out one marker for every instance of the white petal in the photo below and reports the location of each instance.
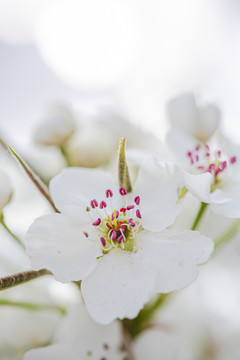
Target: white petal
(157, 187)
(54, 352)
(198, 185)
(79, 328)
(183, 112)
(208, 121)
(155, 344)
(174, 255)
(181, 143)
(119, 287)
(231, 208)
(57, 242)
(77, 186)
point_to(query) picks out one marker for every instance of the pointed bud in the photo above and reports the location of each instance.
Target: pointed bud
(123, 174)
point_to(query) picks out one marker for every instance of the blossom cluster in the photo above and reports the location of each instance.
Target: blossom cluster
(125, 229)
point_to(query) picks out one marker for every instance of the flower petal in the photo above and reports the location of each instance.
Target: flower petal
(77, 186)
(57, 242)
(181, 143)
(59, 352)
(198, 185)
(174, 255)
(119, 287)
(157, 187)
(156, 344)
(231, 208)
(183, 112)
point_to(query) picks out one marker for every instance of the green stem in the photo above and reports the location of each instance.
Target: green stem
(227, 235)
(15, 237)
(137, 325)
(21, 278)
(32, 306)
(200, 213)
(65, 155)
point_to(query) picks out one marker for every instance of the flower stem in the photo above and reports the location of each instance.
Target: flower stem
(137, 325)
(200, 213)
(32, 306)
(65, 155)
(15, 237)
(227, 235)
(21, 278)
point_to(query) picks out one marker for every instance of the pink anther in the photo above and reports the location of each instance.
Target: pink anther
(137, 200)
(122, 191)
(97, 222)
(233, 159)
(103, 204)
(109, 193)
(130, 207)
(103, 241)
(94, 203)
(138, 214)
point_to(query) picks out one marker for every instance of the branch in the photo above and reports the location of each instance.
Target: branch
(34, 178)
(21, 278)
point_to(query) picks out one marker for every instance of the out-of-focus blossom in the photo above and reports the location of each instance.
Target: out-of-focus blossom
(79, 337)
(200, 121)
(222, 172)
(57, 126)
(97, 141)
(6, 189)
(107, 237)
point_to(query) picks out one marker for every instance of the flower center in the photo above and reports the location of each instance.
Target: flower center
(202, 160)
(116, 228)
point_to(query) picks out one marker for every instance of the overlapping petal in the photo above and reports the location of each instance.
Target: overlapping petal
(57, 242)
(175, 255)
(157, 187)
(77, 186)
(119, 287)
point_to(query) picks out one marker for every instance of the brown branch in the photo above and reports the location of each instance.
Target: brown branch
(34, 178)
(21, 278)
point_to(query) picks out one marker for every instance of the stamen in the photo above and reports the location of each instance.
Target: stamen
(137, 200)
(138, 214)
(86, 234)
(120, 239)
(131, 222)
(87, 209)
(97, 222)
(130, 207)
(233, 159)
(115, 214)
(103, 204)
(109, 193)
(94, 203)
(123, 209)
(123, 191)
(103, 241)
(113, 235)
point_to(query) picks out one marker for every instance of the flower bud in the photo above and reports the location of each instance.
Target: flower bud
(57, 126)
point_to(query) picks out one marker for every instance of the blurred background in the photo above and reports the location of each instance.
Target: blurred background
(130, 55)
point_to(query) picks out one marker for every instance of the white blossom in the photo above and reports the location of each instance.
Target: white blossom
(196, 120)
(57, 127)
(116, 242)
(210, 174)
